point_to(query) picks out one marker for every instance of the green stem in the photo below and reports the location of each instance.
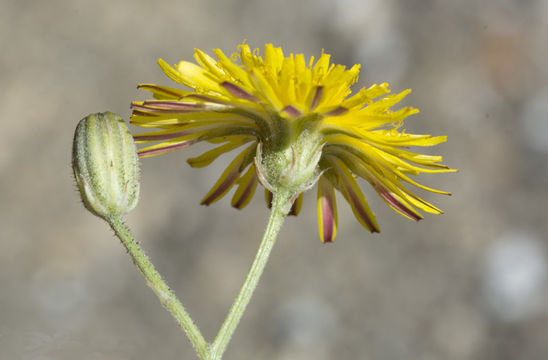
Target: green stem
(158, 285)
(280, 207)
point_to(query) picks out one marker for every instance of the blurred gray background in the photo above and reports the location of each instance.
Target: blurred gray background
(469, 284)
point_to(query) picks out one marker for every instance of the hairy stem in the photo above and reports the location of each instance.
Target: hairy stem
(280, 207)
(158, 285)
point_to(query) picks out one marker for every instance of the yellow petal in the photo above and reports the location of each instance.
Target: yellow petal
(210, 156)
(273, 59)
(177, 132)
(238, 74)
(266, 90)
(366, 95)
(303, 78)
(198, 78)
(249, 60)
(320, 69)
(167, 146)
(386, 102)
(287, 81)
(164, 92)
(207, 62)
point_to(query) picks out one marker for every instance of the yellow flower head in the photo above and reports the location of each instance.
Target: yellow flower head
(300, 109)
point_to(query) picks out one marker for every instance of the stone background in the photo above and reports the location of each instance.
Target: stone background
(469, 284)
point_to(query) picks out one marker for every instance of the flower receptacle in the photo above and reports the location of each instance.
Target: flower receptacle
(293, 168)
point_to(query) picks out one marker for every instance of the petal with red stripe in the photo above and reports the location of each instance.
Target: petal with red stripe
(229, 176)
(327, 210)
(355, 198)
(247, 184)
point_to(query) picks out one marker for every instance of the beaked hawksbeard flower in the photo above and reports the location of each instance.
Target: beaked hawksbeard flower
(280, 104)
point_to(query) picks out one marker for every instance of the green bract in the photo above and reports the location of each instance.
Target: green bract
(106, 165)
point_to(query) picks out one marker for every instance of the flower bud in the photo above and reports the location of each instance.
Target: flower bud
(106, 165)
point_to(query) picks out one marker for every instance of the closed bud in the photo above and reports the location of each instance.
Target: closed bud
(106, 165)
